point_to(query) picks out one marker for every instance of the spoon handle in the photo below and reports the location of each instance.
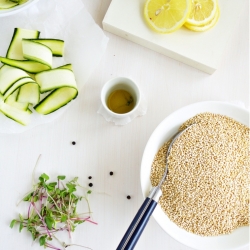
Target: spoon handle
(137, 226)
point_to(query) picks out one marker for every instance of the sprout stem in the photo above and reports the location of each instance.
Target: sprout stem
(33, 204)
(33, 172)
(52, 247)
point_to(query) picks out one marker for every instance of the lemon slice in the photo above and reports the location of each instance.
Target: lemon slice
(202, 12)
(166, 16)
(207, 26)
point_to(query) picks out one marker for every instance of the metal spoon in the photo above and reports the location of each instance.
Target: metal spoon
(141, 219)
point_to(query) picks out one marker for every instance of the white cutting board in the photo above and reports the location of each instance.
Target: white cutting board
(201, 50)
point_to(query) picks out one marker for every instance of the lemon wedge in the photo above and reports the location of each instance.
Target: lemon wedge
(207, 26)
(202, 12)
(166, 16)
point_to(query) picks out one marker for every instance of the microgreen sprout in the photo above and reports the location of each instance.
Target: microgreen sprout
(52, 208)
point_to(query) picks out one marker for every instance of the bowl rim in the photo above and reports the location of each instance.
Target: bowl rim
(18, 8)
(166, 128)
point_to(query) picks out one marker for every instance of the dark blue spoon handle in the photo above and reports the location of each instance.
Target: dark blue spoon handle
(137, 226)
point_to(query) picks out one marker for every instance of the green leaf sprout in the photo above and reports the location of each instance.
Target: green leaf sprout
(53, 208)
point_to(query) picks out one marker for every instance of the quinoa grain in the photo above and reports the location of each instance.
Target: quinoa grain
(206, 191)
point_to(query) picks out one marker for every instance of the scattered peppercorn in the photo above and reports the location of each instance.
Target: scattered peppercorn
(73, 142)
(90, 184)
(90, 177)
(111, 173)
(128, 197)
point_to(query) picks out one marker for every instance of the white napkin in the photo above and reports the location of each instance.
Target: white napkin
(85, 43)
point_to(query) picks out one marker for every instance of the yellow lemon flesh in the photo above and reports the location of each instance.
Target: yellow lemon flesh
(166, 16)
(207, 26)
(202, 12)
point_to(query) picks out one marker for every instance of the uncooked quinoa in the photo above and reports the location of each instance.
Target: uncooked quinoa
(206, 191)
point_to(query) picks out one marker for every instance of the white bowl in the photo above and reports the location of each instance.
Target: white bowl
(17, 8)
(164, 131)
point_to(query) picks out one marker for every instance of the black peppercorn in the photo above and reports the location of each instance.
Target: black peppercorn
(90, 184)
(128, 197)
(111, 173)
(90, 177)
(73, 142)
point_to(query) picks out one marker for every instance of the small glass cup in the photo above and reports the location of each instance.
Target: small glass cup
(120, 83)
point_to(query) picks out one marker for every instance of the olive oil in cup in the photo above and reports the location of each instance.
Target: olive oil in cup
(120, 101)
(120, 97)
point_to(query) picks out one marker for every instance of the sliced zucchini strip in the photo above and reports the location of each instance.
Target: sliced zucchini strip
(56, 45)
(16, 85)
(15, 50)
(29, 111)
(37, 52)
(8, 76)
(66, 66)
(22, 106)
(1, 98)
(29, 66)
(55, 100)
(13, 97)
(19, 1)
(11, 100)
(55, 78)
(29, 93)
(6, 4)
(20, 116)
(27, 72)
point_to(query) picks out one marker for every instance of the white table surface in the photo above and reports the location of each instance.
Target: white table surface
(102, 147)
